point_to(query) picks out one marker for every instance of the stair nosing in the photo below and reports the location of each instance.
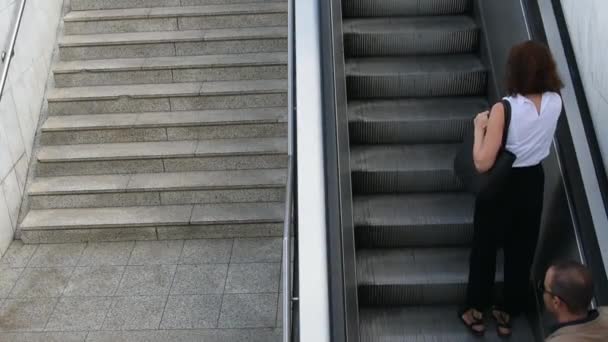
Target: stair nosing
(171, 62)
(125, 183)
(185, 219)
(192, 149)
(135, 38)
(138, 120)
(175, 12)
(166, 90)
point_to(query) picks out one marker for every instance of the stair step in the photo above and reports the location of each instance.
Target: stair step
(404, 168)
(168, 188)
(152, 70)
(173, 43)
(154, 157)
(176, 18)
(167, 97)
(413, 276)
(421, 76)
(152, 222)
(437, 120)
(429, 323)
(398, 36)
(425, 220)
(161, 126)
(80, 5)
(383, 8)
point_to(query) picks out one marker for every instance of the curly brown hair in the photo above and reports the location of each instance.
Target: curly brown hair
(531, 70)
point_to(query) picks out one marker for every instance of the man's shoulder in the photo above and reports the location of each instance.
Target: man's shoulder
(603, 315)
(591, 329)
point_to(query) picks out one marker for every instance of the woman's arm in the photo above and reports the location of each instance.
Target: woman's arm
(488, 137)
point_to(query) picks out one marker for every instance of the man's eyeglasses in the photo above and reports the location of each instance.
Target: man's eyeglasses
(542, 290)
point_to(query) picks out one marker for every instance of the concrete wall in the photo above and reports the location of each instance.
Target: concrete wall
(588, 28)
(22, 99)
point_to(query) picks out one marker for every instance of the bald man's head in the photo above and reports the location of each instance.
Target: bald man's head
(573, 284)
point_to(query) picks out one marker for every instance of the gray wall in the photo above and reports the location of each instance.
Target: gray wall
(588, 30)
(22, 99)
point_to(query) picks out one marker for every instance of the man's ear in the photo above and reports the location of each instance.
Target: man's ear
(557, 303)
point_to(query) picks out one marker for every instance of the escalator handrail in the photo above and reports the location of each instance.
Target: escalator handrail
(579, 136)
(291, 189)
(313, 290)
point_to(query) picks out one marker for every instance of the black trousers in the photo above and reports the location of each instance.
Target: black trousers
(511, 220)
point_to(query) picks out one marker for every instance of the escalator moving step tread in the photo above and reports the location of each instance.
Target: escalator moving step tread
(398, 66)
(413, 210)
(413, 266)
(405, 110)
(405, 24)
(403, 158)
(428, 323)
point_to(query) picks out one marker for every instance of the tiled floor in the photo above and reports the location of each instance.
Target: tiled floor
(175, 290)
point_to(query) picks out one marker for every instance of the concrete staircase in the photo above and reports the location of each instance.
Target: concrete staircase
(167, 121)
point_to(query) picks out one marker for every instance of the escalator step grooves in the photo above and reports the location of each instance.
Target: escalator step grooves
(421, 85)
(405, 182)
(372, 8)
(423, 294)
(410, 132)
(414, 235)
(372, 44)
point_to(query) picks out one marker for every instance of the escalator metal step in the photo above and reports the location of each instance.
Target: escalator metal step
(372, 8)
(438, 120)
(423, 220)
(404, 168)
(428, 323)
(413, 276)
(409, 36)
(420, 76)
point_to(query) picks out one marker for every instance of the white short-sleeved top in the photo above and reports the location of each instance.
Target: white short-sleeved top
(531, 133)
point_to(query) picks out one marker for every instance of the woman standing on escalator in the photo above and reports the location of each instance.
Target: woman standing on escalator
(512, 218)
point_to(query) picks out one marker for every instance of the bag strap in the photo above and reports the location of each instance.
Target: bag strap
(505, 132)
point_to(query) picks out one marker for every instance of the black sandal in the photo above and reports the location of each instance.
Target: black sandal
(503, 321)
(476, 322)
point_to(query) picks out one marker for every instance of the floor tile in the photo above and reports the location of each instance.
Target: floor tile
(65, 254)
(135, 313)
(18, 254)
(198, 335)
(8, 279)
(248, 311)
(257, 250)
(30, 314)
(94, 281)
(156, 252)
(42, 282)
(253, 278)
(79, 314)
(191, 312)
(106, 253)
(215, 251)
(149, 280)
(200, 279)
(44, 337)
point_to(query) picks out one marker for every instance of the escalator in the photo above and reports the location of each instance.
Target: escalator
(385, 91)
(414, 78)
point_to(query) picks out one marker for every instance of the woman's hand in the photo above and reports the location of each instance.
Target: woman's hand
(481, 120)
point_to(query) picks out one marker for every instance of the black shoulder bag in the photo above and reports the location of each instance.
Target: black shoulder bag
(491, 182)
